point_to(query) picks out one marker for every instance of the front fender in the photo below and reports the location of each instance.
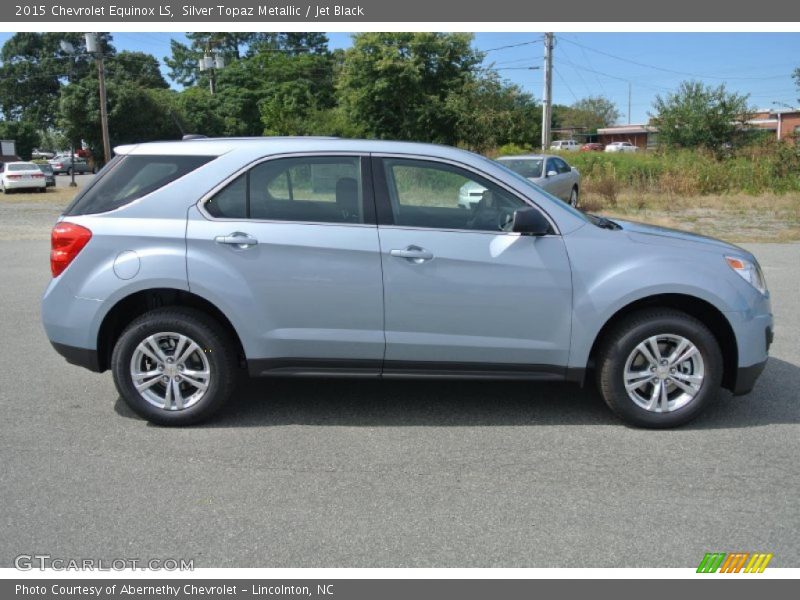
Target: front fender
(610, 274)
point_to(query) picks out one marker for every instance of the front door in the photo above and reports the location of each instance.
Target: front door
(461, 291)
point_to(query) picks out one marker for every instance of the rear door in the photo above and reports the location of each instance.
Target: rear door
(461, 292)
(290, 248)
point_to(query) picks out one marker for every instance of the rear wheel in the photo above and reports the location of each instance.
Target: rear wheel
(573, 197)
(174, 366)
(659, 368)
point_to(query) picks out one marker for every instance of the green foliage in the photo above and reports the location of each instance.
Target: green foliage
(34, 67)
(396, 85)
(512, 150)
(24, 133)
(140, 105)
(591, 113)
(753, 169)
(700, 116)
(489, 112)
(232, 46)
(796, 77)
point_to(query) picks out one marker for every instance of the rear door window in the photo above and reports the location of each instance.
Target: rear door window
(130, 177)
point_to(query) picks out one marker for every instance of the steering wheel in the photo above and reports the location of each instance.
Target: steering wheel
(505, 218)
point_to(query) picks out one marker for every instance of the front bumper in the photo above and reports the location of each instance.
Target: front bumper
(746, 378)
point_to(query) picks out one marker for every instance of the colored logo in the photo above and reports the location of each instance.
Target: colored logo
(736, 562)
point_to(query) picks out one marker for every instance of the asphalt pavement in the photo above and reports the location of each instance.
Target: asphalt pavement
(81, 179)
(390, 474)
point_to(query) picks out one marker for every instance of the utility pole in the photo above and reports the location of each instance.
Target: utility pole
(93, 47)
(629, 103)
(70, 49)
(547, 95)
(212, 62)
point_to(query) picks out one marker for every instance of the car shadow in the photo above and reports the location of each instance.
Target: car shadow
(442, 403)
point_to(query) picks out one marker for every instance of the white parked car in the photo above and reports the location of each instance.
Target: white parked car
(22, 176)
(569, 145)
(621, 147)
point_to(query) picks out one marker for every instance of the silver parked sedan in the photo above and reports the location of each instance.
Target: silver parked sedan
(551, 173)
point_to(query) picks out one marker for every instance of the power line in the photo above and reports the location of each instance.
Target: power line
(564, 81)
(536, 41)
(665, 70)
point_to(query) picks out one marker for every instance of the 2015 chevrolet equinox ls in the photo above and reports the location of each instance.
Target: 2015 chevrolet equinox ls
(183, 262)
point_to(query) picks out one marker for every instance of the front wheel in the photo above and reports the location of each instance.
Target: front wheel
(659, 368)
(174, 366)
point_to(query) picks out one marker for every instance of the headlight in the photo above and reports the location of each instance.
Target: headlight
(748, 271)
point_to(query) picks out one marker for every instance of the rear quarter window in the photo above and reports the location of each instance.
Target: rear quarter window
(127, 178)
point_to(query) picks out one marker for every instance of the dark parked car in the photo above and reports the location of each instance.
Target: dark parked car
(49, 174)
(67, 165)
(593, 147)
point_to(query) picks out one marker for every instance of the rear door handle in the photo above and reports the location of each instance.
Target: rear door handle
(237, 238)
(413, 254)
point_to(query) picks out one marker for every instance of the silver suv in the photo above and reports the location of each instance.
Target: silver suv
(184, 265)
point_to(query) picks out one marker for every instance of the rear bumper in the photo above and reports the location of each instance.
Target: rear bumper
(82, 357)
(32, 184)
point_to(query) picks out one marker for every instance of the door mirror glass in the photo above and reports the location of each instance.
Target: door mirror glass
(530, 221)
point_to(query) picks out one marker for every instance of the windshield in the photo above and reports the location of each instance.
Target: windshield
(537, 190)
(527, 167)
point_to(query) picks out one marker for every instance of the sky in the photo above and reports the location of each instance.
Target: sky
(607, 64)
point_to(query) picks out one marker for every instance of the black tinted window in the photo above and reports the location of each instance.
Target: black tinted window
(527, 167)
(127, 178)
(231, 201)
(318, 189)
(561, 166)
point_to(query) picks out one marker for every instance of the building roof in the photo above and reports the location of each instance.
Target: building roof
(623, 129)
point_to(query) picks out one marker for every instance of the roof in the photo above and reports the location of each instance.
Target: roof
(281, 145)
(523, 156)
(623, 129)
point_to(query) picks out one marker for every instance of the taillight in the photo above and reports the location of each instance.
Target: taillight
(66, 242)
(14, 176)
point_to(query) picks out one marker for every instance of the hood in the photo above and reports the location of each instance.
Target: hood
(653, 234)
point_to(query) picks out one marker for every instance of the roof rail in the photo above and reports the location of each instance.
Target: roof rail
(193, 136)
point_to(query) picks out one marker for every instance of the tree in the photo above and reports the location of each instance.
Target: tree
(698, 115)
(491, 113)
(396, 85)
(24, 133)
(233, 46)
(796, 77)
(35, 68)
(140, 105)
(591, 113)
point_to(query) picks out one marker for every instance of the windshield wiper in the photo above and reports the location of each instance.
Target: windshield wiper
(604, 223)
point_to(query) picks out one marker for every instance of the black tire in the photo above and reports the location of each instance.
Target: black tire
(574, 197)
(216, 343)
(621, 341)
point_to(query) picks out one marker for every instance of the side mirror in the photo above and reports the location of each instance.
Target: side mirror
(552, 173)
(529, 221)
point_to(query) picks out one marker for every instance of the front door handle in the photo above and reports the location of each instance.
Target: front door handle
(237, 238)
(413, 254)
